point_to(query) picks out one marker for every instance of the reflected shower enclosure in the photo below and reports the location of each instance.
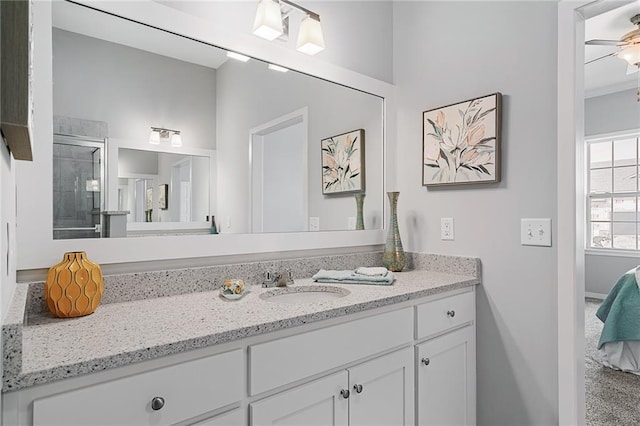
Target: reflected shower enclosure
(78, 177)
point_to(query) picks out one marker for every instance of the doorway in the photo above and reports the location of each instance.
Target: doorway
(78, 187)
(279, 174)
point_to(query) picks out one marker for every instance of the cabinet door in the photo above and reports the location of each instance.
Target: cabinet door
(382, 391)
(230, 418)
(446, 391)
(319, 403)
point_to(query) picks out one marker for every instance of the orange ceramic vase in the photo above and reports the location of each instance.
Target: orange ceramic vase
(74, 286)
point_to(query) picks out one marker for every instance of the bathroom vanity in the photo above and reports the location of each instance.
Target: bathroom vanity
(393, 355)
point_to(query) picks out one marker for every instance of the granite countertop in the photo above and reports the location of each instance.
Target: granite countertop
(121, 333)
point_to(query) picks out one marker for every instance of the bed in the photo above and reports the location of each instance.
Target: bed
(620, 312)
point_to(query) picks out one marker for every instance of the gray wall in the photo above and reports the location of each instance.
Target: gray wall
(131, 90)
(602, 272)
(249, 95)
(451, 51)
(610, 113)
(358, 34)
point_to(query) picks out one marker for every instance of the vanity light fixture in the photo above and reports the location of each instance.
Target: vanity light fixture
(159, 134)
(278, 68)
(269, 25)
(237, 56)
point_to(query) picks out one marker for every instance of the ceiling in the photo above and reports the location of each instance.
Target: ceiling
(609, 75)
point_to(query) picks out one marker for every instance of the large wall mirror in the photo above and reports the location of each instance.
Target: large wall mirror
(260, 148)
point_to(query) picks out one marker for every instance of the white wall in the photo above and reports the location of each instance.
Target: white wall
(250, 96)
(450, 51)
(132, 90)
(611, 113)
(367, 49)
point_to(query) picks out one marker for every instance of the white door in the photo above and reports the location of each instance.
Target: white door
(382, 391)
(319, 403)
(447, 379)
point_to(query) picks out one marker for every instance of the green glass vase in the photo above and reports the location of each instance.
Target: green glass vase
(393, 256)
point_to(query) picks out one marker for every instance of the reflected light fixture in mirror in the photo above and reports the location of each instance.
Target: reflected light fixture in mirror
(269, 25)
(278, 68)
(631, 54)
(237, 56)
(159, 134)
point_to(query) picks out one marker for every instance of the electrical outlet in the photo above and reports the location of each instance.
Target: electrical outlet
(351, 223)
(314, 223)
(535, 232)
(446, 228)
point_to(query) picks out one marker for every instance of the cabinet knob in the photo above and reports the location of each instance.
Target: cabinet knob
(426, 361)
(345, 393)
(157, 403)
(451, 313)
(357, 388)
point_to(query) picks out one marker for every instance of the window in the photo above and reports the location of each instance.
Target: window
(612, 193)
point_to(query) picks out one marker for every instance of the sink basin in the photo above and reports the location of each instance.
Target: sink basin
(304, 294)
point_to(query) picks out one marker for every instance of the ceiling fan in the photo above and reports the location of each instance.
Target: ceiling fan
(629, 46)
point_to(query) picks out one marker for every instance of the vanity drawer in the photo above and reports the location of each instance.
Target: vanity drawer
(188, 389)
(279, 362)
(442, 314)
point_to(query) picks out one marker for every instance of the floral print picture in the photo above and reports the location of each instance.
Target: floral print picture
(343, 163)
(461, 142)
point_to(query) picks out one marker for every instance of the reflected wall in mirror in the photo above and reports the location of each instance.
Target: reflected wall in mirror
(260, 129)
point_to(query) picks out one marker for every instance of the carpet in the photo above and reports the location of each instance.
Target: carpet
(612, 397)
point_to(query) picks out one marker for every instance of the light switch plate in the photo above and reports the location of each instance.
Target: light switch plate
(314, 223)
(535, 232)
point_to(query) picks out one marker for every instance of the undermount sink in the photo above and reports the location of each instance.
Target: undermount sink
(304, 294)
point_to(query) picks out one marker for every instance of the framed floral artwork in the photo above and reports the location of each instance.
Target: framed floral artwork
(461, 142)
(343, 163)
(163, 197)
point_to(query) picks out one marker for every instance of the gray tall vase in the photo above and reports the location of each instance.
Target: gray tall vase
(393, 256)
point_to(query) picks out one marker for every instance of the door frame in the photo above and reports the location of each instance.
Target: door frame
(571, 210)
(256, 136)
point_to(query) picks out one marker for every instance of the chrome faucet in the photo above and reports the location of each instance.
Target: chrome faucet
(277, 279)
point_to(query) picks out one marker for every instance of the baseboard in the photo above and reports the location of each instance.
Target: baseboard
(598, 296)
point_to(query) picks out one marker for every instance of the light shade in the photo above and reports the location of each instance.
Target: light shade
(631, 54)
(268, 22)
(310, 38)
(176, 140)
(154, 137)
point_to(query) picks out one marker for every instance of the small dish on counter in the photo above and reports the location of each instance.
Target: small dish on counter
(232, 289)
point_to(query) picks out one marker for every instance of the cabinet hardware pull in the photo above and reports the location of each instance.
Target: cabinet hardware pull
(157, 403)
(357, 388)
(426, 361)
(451, 313)
(345, 393)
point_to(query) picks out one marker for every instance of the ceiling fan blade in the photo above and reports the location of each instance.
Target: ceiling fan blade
(632, 69)
(596, 42)
(601, 57)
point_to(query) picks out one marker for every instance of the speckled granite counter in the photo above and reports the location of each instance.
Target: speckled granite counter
(46, 349)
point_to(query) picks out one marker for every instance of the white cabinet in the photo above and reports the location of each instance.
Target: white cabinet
(377, 392)
(446, 379)
(231, 418)
(382, 391)
(321, 402)
(159, 397)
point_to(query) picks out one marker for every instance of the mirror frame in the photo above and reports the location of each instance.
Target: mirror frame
(36, 248)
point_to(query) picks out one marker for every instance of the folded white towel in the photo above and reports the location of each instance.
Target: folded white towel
(376, 271)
